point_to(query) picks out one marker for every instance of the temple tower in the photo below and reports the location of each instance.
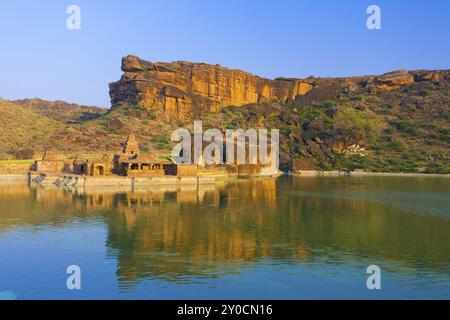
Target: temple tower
(131, 146)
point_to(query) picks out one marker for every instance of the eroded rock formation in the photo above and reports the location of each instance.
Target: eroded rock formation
(184, 90)
(394, 79)
(180, 90)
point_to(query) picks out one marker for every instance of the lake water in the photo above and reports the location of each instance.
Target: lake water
(285, 238)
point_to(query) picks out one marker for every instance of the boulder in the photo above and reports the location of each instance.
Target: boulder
(306, 164)
(297, 133)
(316, 124)
(313, 129)
(394, 79)
(271, 110)
(428, 76)
(115, 123)
(138, 114)
(315, 150)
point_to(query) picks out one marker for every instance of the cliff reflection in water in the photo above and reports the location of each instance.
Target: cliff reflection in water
(175, 234)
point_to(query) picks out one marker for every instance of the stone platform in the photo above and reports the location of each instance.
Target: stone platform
(72, 180)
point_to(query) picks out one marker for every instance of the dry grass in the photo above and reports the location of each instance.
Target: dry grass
(29, 161)
(21, 127)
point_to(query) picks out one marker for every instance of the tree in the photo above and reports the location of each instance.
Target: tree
(353, 126)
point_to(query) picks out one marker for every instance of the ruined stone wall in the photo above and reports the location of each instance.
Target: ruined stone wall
(45, 166)
(186, 170)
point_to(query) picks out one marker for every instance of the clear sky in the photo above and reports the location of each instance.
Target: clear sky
(40, 57)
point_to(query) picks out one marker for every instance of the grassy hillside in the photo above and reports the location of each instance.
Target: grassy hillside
(61, 111)
(36, 128)
(22, 128)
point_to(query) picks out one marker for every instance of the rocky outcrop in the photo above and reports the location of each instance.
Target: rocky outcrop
(304, 164)
(435, 76)
(181, 90)
(394, 79)
(184, 90)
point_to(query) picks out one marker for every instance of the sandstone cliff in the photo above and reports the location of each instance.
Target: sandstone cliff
(184, 90)
(180, 90)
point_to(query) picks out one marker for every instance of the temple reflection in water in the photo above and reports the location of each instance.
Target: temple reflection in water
(209, 231)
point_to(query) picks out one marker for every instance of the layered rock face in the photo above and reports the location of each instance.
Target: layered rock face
(185, 90)
(182, 90)
(394, 79)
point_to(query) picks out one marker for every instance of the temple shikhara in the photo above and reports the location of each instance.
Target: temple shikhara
(131, 163)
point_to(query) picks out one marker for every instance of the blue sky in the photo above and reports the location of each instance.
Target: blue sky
(40, 57)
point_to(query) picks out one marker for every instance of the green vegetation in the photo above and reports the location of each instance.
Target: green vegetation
(162, 142)
(406, 127)
(438, 167)
(353, 126)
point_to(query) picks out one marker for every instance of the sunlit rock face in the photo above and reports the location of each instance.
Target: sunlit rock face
(394, 79)
(181, 90)
(184, 90)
